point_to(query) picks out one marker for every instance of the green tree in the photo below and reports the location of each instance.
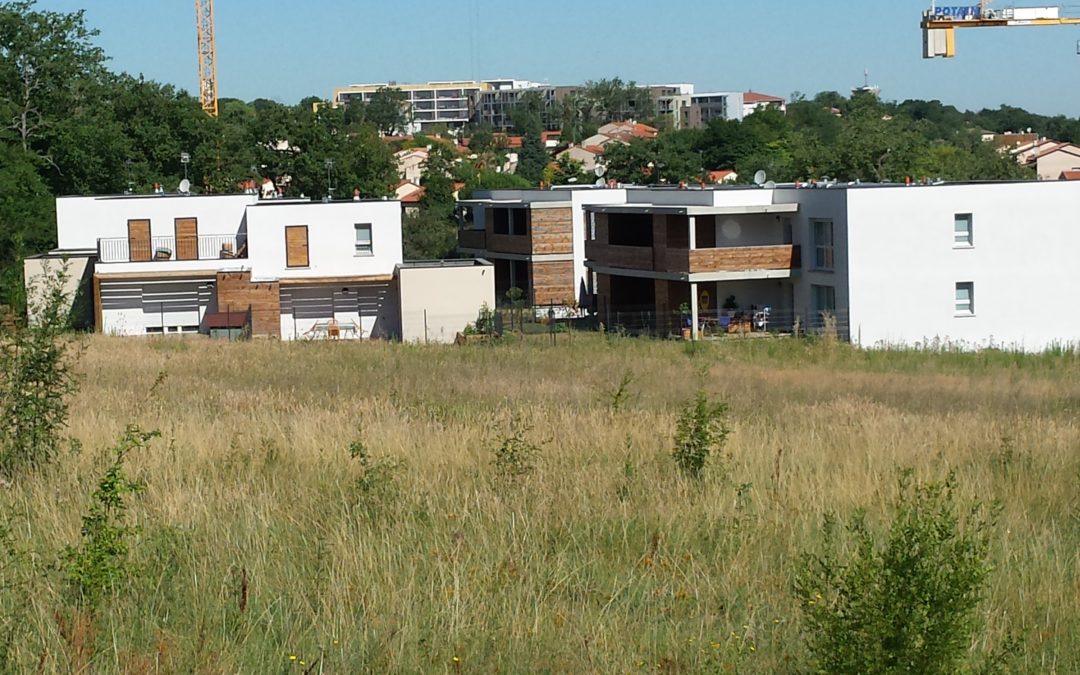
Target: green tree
(388, 110)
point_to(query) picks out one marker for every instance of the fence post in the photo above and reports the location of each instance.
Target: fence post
(425, 327)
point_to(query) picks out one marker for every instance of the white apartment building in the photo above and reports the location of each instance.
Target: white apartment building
(280, 268)
(967, 265)
(970, 265)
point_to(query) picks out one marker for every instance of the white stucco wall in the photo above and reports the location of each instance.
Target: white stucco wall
(904, 265)
(81, 221)
(581, 198)
(438, 302)
(331, 238)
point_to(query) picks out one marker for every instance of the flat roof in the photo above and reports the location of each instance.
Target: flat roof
(682, 210)
(449, 262)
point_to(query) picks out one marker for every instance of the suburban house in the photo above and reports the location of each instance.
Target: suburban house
(753, 101)
(588, 155)
(409, 193)
(279, 268)
(535, 239)
(1049, 158)
(410, 164)
(963, 264)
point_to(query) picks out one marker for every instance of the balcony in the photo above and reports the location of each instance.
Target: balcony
(627, 257)
(733, 259)
(208, 247)
(475, 239)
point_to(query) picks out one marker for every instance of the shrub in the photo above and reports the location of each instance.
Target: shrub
(515, 454)
(95, 567)
(37, 377)
(905, 604)
(702, 431)
(375, 486)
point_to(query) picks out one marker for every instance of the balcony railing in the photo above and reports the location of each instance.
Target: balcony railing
(476, 239)
(685, 261)
(154, 249)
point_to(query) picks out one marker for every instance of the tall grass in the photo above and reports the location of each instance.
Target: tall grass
(261, 548)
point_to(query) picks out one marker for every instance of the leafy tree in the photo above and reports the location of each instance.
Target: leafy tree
(388, 110)
(428, 235)
(45, 55)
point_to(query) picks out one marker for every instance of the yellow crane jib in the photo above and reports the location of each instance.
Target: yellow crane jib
(204, 23)
(939, 24)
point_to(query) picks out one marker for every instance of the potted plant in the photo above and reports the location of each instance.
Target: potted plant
(685, 320)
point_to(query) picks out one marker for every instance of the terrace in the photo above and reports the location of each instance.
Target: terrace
(155, 249)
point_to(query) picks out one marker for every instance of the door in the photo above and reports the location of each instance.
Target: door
(139, 240)
(187, 238)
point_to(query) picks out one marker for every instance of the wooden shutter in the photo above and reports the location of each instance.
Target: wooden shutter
(187, 238)
(139, 240)
(296, 246)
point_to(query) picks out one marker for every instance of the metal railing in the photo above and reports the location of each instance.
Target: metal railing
(202, 247)
(714, 324)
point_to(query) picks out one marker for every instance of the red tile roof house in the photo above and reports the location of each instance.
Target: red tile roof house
(753, 101)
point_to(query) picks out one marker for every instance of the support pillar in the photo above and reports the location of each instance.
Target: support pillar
(692, 222)
(693, 311)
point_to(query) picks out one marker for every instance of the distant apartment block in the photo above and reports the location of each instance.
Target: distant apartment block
(449, 104)
(706, 107)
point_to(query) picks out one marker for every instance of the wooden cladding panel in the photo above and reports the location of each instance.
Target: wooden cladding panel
(237, 293)
(187, 238)
(139, 241)
(296, 246)
(472, 239)
(508, 243)
(626, 257)
(553, 282)
(552, 231)
(743, 258)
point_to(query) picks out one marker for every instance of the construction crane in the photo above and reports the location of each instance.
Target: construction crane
(939, 24)
(204, 23)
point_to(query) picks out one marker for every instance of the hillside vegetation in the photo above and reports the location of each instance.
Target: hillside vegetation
(318, 507)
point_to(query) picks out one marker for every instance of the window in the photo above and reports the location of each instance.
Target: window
(965, 298)
(296, 246)
(363, 238)
(823, 244)
(824, 299)
(962, 231)
(630, 229)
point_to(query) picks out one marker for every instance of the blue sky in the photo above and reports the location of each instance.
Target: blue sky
(287, 50)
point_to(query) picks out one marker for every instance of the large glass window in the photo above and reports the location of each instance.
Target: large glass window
(823, 244)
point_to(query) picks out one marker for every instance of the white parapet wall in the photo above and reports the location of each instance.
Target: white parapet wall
(439, 299)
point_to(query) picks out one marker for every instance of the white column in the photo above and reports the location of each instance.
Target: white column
(693, 310)
(692, 220)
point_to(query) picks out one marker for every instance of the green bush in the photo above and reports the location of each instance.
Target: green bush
(702, 430)
(99, 564)
(37, 376)
(515, 455)
(902, 601)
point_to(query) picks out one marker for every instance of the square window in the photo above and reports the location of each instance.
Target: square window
(962, 230)
(965, 298)
(363, 238)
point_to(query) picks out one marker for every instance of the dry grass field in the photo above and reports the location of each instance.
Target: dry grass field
(263, 546)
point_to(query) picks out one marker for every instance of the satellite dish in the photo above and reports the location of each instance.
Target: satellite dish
(600, 170)
(769, 184)
(759, 177)
(185, 187)
(600, 182)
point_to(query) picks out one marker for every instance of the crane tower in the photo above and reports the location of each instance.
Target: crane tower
(939, 24)
(204, 22)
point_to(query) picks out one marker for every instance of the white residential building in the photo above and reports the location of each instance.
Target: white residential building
(281, 268)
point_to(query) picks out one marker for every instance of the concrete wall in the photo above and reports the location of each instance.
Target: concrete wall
(819, 204)
(81, 221)
(452, 297)
(904, 264)
(78, 286)
(331, 238)
(581, 198)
